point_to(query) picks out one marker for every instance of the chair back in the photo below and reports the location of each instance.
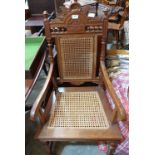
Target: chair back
(80, 38)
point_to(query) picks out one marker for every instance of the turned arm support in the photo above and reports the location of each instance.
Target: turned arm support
(119, 112)
(48, 34)
(42, 105)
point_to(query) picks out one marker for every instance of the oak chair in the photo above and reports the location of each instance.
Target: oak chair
(77, 113)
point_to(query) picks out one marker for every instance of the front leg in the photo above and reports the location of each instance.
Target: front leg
(112, 148)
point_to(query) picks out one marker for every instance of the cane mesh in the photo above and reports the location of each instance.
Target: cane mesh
(79, 110)
(77, 57)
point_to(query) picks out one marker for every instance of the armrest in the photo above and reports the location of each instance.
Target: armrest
(42, 105)
(118, 106)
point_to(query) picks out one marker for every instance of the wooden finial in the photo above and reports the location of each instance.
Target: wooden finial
(45, 14)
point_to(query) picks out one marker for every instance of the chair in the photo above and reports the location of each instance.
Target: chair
(76, 112)
(117, 27)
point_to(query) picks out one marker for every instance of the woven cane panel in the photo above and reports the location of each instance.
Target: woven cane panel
(79, 110)
(77, 57)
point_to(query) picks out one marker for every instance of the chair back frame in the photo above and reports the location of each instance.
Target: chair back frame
(80, 42)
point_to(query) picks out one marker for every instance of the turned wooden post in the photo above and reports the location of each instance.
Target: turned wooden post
(48, 35)
(104, 39)
(103, 45)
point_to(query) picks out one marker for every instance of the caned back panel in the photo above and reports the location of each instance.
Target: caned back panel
(76, 57)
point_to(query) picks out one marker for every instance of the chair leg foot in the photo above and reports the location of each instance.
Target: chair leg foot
(112, 148)
(48, 144)
(52, 146)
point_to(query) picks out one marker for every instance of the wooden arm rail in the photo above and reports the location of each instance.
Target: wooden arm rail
(42, 105)
(118, 106)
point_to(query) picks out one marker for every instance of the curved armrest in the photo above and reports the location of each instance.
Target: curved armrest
(43, 99)
(108, 84)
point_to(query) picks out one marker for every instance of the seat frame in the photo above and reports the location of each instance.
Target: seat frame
(40, 111)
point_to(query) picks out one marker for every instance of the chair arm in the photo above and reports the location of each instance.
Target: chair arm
(118, 106)
(42, 105)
